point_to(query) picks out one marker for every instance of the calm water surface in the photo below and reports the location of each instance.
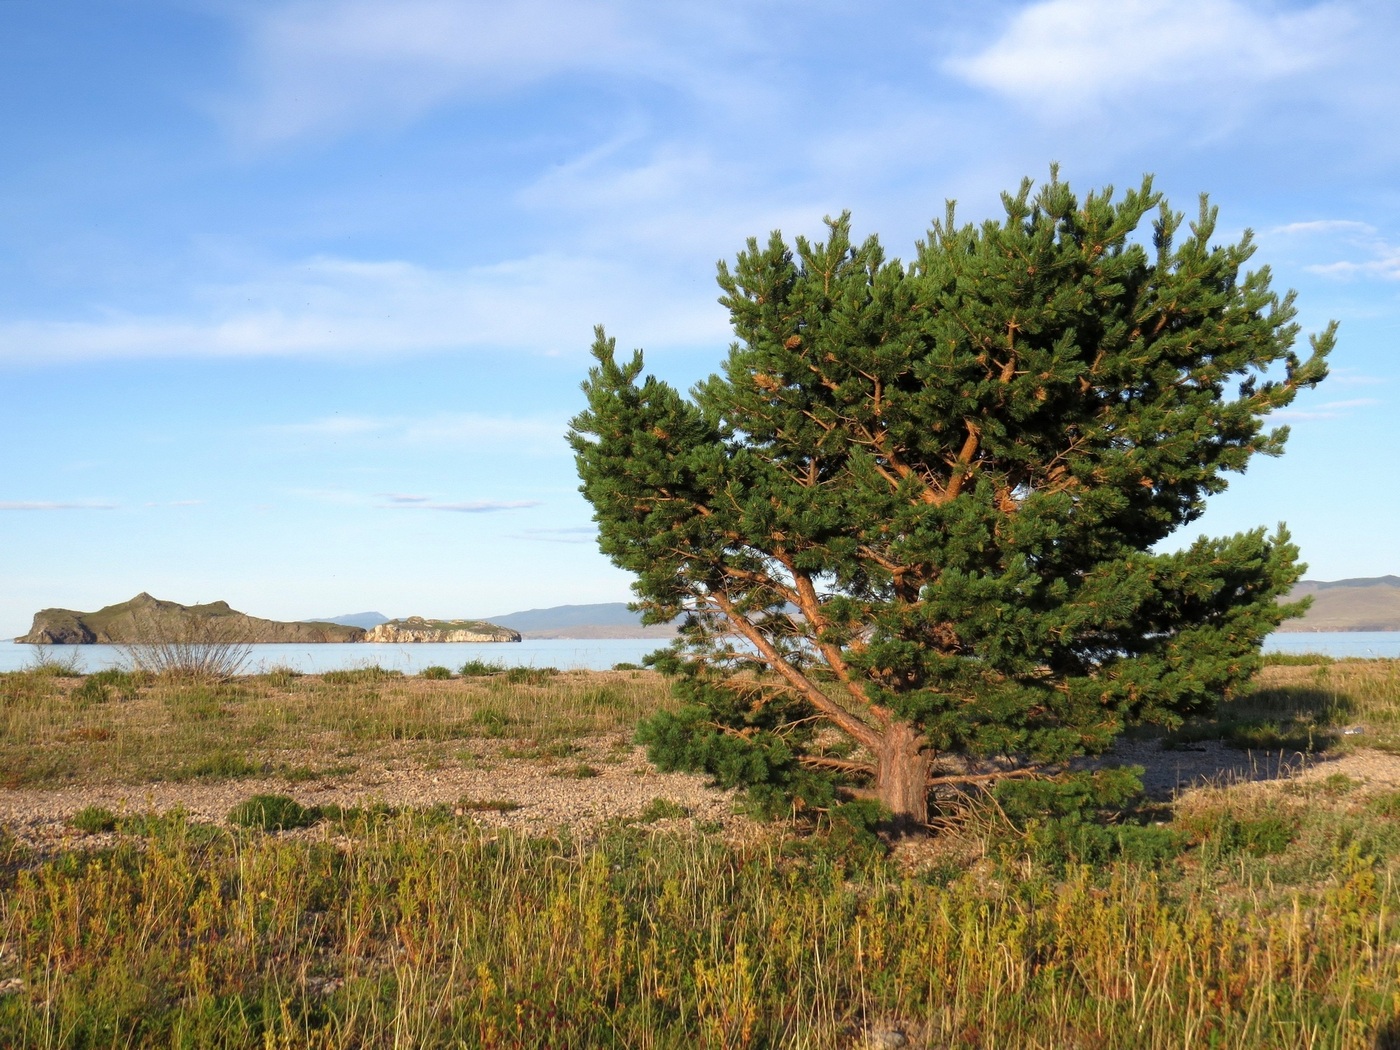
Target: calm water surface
(564, 653)
(568, 653)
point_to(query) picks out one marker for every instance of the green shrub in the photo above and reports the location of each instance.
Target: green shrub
(223, 765)
(122, 685)
(491, 722)
(624, 665)
(662, 809)
(480, 669)
(281, 676)
(360, 675)
(90, 691)
(530, 675)
(1223, 834)
(1084, 818)
(435, 673)
(93, 820)
(273, 813)
(1385, 805)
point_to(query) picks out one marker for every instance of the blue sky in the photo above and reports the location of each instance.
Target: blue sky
(295, 297)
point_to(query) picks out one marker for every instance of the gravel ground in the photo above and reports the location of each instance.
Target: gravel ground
(617, 782)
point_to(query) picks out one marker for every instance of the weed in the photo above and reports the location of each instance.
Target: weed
(435, 673)
(55, 663)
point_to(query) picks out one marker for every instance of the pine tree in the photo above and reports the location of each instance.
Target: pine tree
(913, 525)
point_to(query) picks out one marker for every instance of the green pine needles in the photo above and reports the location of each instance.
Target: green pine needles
(913, 524)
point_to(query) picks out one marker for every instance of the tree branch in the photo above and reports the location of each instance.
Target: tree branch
(845, 720)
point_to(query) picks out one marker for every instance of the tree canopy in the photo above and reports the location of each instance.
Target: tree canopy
(913, 524)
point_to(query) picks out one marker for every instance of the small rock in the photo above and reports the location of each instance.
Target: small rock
(885, 1039)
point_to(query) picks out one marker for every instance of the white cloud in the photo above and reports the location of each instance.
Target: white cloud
(1063, 55)
(324, 65)
(328, 306)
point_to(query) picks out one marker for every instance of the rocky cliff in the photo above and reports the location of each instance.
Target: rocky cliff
(417, 629)
(145, 619)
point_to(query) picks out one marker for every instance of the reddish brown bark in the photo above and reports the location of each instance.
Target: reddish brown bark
(901, 780)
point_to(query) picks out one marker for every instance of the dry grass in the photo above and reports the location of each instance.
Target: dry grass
(56, 730)
(1237, 917)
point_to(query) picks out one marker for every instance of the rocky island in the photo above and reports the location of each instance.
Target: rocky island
(417, 629)
(147, 619)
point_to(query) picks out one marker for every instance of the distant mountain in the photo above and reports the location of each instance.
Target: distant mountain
(1365, 604)
(367, 620)
(603, 620)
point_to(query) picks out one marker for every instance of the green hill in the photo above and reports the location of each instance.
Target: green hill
(147, 619)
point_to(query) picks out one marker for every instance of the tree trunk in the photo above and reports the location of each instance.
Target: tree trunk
(901, 782)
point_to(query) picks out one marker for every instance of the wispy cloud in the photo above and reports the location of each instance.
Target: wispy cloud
(1325, 226)
(567, 534)
(1326, 410)
(1364, 250)
(469, 507)
(466, 429)
(54, 505)
(334, 306)
(321, 66)
(1061, 55)
(1385, 265)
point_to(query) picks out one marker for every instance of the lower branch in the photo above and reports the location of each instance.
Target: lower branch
(839, 764)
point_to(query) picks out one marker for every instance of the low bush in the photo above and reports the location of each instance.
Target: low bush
(662, 809)
(435, 673)
(273, 813)
(480, 669)
(93, 820)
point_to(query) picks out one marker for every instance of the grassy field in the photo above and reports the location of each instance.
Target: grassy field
(1257, 915)
(124, 728)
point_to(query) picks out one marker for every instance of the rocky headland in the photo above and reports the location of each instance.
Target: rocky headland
(417, 629)
(145, 619)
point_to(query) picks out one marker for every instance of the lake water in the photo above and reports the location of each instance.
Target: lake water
(568, 653)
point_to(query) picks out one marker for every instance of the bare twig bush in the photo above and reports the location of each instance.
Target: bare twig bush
(180, 645)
